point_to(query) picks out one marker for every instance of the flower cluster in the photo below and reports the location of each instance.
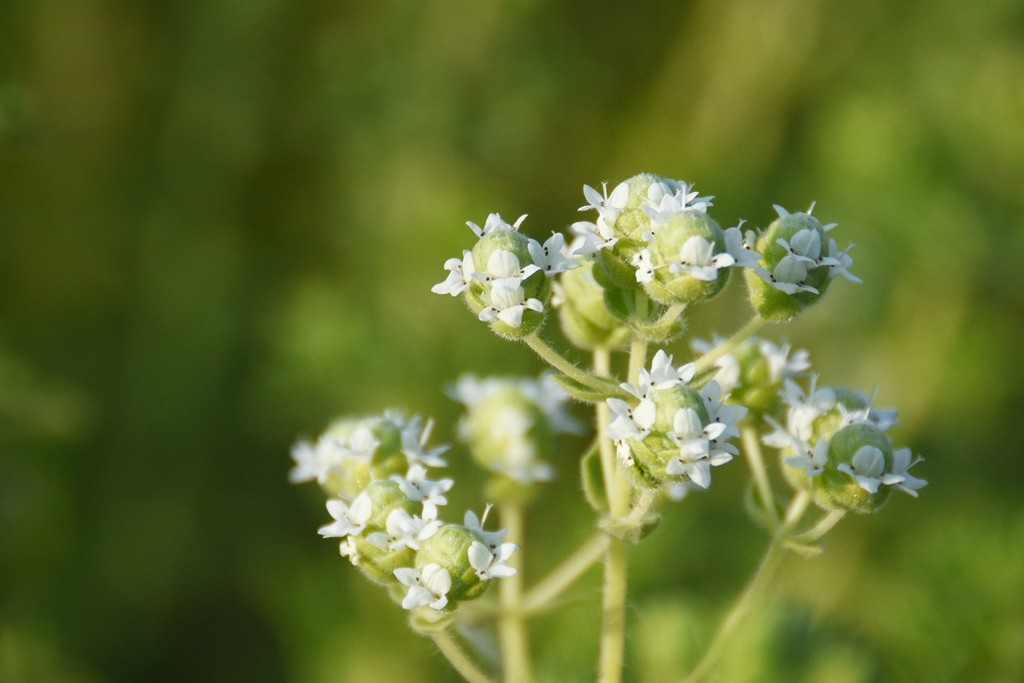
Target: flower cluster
(658, 232)
(510, 424)
(385, 513)
(835, 444)
(672, 433)
(505, 277)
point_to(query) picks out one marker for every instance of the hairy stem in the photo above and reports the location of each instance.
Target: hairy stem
(556, 360)
(515, 642)
(539, 597)
(616, 563)
(754, 590)
(752, 449)
(709, 358)
(458, 658)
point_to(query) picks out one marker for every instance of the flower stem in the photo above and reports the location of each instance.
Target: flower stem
(603, 368)
(616, 562)
(555, 359)
(515, 642)
(708, 359)
(754, 589)
(752, 449)
(459, 660)
(823, 526)
(561, 577)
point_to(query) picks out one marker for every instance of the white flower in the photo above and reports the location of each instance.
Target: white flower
(416, 486)
(630, 423)
(349, 520)
(840, 262)
(490, 564)
(494, 222)
(903, 460)
(813, 460)
(519, 461)
(868, 468)
(608, 206)
(348, 549)
(414, 440)
(788, 276)
(780, 365)
(592, 237)
(698, 259)
(725, 414)
(504, 264)
(460, 272)
(739, 245)
(492, 539)
(693, 439)
(805, 408)
(662, 375)
(405, 530)
(667, 198)
(310, 461)
(552, 257)
(508, 302)
(644, 266)
(428, 586)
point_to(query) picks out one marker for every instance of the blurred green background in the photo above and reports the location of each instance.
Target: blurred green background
(219, 224)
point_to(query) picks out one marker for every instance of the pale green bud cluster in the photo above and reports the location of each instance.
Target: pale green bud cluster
(835, 445)
(385, 512)
(584, 314)
(510, 428)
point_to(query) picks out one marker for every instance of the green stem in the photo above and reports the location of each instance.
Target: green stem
(515, 642)
(708, 359)
(556, 360)
(823, 526)
(539, 598)
(459, 660)
(752, 449)
(603, 368)
(613, 630)
(616, 563)
(754, 589)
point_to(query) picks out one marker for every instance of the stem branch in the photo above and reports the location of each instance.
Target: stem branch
(459, 660)
(515, 642)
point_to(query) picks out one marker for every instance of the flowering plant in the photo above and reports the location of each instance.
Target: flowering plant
(623, 283)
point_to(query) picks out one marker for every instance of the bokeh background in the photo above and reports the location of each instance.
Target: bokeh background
(219, 224)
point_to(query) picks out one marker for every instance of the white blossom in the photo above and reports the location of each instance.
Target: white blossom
(902, 461)
(739, 245)
(349, 519)
(416, 486)
(867, 467)
(460, 272)
(811, 460)
(405, 530)
(490, 563)
(494, 222)
(427, 586)
(552, 257)
(697, 258)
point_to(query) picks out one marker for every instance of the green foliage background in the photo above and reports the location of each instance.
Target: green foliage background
(219, 224)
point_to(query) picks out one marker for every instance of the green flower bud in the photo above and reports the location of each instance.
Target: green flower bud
(510, 428)
(512, 295)
(798, 261)
(353, 452)
(627, 223)
(860, 459)
(449, 548)
(686, 261)
(585, 318)
(379, 563)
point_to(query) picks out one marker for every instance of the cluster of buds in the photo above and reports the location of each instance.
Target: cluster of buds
(671, 434)
(513, 286)
(835, 444)
(510, 427)
(385, 512)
